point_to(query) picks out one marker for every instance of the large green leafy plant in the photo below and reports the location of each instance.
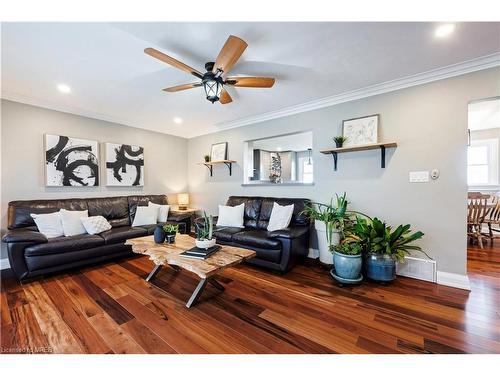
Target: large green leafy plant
(377, 237)
(335, 216)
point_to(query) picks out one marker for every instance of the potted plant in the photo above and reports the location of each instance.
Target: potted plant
(207, 158)
(339, 140)
(347, 258)
(329, 222)
(170, 232)
(384, 246)
(204, 232)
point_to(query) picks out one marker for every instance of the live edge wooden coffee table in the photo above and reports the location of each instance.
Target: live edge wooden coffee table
(163, 254)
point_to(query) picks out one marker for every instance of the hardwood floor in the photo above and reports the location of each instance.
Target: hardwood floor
(111, 309)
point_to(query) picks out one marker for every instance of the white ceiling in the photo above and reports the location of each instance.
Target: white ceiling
(111, 78)
(484, 114)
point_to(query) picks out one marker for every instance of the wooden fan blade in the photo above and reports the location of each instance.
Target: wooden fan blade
(225, 98)
(262, 82)
(229, 54)
(183, 87)
(171, 61)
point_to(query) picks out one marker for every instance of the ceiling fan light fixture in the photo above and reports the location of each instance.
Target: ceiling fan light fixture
(213, 87)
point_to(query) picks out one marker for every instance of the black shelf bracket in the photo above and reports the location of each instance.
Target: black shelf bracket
(210, 168)
(335, 155)
(230, 166)
(382, 156)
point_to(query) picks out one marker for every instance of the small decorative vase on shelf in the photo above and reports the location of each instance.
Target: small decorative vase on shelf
(339, 144)
(159, 234)
(207, 158)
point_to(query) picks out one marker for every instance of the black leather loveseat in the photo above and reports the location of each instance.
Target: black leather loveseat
(31, 254)
(278, 250)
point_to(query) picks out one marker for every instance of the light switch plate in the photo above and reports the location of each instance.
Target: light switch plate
(419, 176)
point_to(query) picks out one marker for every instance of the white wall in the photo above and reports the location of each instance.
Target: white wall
(429, 122)
(22, 177)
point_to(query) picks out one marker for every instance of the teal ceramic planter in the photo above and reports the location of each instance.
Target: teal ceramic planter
(347, 266)
(380, 267)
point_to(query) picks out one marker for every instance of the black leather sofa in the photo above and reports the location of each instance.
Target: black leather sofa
(278, 250)
(31, 254)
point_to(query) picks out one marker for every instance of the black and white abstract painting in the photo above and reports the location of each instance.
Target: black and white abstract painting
(71, 161)
(124, 165)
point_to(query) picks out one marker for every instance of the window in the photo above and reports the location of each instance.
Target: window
(482, 162)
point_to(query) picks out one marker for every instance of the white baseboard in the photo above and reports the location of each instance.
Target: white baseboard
(313, 253)
(4, 263)
(453, 279)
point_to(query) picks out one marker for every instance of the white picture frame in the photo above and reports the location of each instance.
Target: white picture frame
(70, 161)
(124, 165)
(361, 130)
(218, 151)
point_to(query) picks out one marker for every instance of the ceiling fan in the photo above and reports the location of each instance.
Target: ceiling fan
(212, 80)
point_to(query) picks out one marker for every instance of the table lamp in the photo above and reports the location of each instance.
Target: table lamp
(183, 200)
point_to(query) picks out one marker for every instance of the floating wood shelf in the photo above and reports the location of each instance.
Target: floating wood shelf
(374, 146)
(210, 165)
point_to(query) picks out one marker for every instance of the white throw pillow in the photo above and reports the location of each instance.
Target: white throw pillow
(145, 215)
(95, 224)
(231, 216)
(162, 211)
(280, 217)
(49, 224)
(71, 223)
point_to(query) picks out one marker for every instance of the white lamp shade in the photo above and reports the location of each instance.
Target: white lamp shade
(183, 199)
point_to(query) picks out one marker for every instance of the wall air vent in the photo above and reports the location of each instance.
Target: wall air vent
(418, 268)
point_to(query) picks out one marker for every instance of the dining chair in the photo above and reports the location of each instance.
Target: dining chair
(477, 211)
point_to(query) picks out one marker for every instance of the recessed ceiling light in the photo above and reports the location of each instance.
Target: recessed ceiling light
(64, 88)
(177, 120)
(444, 30)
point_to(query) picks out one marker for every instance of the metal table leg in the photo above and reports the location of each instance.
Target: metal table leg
(153, 273)
(197, 292)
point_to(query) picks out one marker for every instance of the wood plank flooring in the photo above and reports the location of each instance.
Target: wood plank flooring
(109, 308)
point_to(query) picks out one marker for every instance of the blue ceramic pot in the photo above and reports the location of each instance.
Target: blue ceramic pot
(347, 266)
(380, 267)
(159, 234)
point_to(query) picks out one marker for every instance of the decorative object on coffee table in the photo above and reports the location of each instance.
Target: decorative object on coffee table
(218, 152)
(204, 232)
(159, 234)
(339, 141)
(163, 254)
(361, 130)
(170, 231)
(183, 201)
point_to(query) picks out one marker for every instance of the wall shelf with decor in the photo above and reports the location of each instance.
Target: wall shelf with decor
(210, 165)
(382, 146)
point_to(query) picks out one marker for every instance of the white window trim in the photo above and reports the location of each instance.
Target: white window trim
(493, 164)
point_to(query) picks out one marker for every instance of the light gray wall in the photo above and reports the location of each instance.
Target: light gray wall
(429, 122)
(22, 177)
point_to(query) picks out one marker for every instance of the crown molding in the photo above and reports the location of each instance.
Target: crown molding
(469, 66)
